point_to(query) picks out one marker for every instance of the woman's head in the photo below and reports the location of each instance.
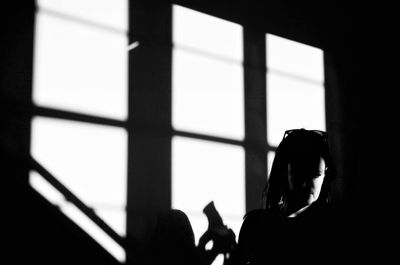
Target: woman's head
(301, 171)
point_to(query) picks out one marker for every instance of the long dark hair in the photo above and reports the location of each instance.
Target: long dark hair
(297, 144)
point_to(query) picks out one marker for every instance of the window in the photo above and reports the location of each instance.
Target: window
(80, 129)
(207, 105)
(81, 104)
(80, 64)
(207, 75)
(295, 88)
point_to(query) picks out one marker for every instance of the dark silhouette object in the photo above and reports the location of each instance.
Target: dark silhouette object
(296, 221)
(173, 241)
(222, 237)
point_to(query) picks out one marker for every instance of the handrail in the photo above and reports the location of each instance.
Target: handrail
(69, 196)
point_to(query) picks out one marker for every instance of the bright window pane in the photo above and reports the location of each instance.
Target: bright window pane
(207, 95)
(207, 33)
(293, 104)
(90, 160)
(80, 68)
(205, 171)
(112, 13)
(294, 58)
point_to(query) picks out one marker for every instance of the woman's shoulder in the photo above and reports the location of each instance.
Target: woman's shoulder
(260, 216)
(257, 213)
(261, 213)
(259, 228)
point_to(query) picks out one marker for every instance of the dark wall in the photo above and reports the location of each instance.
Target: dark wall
(16, 50)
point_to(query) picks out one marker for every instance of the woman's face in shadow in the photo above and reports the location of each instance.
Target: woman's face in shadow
(305, 180)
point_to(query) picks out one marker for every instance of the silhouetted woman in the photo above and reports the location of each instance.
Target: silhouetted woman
(295, 222)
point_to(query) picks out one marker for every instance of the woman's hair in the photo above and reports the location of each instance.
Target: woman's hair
(298, 145)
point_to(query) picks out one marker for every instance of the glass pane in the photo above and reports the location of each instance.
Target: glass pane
(207, 33)
(52, 195)
(205, 171)
(80, 68)
(293, 104)
(111, 13)
(90, 160)
(207, 95)
(294, 58)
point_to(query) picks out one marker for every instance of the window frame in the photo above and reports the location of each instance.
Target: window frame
(149, 123)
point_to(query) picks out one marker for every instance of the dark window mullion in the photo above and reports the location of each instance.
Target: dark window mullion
(74, 116)
(255, 116)
(207, 137)
(149, 148)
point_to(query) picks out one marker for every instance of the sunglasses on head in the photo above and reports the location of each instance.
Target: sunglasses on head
(319, 132)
